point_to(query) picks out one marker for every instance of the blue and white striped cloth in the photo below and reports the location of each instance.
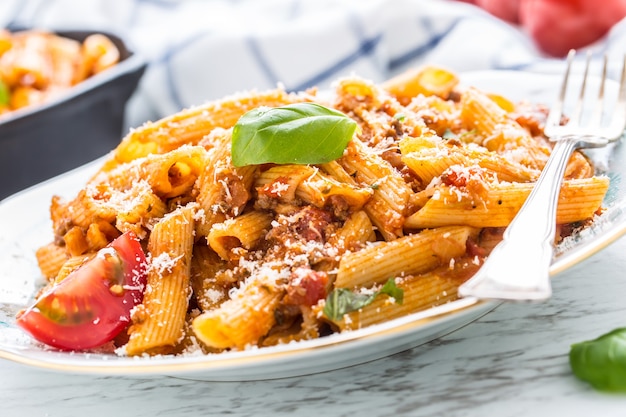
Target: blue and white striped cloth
(200, 50)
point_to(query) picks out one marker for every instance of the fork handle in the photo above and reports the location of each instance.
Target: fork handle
(518, 267)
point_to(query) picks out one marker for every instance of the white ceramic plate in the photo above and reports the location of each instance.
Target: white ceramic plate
(24, 226)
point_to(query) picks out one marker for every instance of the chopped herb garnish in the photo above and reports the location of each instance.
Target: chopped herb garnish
(342, 301)
(448, 134)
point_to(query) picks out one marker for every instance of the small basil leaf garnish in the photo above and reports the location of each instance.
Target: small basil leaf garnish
(300, 133)
(601, 362)
(342, 301)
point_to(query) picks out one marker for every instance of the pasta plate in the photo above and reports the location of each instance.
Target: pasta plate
(25, 225)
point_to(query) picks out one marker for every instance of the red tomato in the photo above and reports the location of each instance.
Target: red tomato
(92, 305)
(504, 9)
(560, 25)
(306, 287)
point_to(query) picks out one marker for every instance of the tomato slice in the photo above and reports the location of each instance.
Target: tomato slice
(93, 304)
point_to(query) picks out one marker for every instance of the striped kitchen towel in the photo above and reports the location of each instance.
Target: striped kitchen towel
(200, 50)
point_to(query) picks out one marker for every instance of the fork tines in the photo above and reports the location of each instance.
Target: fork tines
(595, 123)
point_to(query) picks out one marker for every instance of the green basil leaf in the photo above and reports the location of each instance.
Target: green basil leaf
(342, 301)
(301, 133)
(601, 362)
(4, 94)
(391, 289)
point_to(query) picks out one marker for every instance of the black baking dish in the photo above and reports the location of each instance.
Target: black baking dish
(83, 124)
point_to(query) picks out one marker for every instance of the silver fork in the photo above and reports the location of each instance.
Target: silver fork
(518, 268)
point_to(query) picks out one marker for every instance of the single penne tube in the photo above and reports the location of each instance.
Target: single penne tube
(243, 319)
(349, 88)
(430, 162)
(75, 241)
(222, 190)
(579, 199)
(281, 181)
(356, 231)
(83, 210)
(426, 80)
(158, 322)
(229, 238)
(408, 255)
(318, 189)
(169, 174)
(96, 237)
(50, 259)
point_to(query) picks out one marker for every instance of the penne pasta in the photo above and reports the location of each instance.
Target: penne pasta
(402, 207)
(420, 292)
(71, 265)
(356, 231)
(230, 238)
(413, 254)
(319, 189)
(431, 162)
(50, 259)
(579, 200)
(222, 190)
(427, 80)
(244, 318)
(189, 126)
(499, 132)
(75, 241)
(388, 203)
(158, 322)
(281, 182)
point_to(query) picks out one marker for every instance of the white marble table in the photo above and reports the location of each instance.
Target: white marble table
(511, 362)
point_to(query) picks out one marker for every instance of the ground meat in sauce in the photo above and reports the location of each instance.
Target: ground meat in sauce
(311, 223)
(339, 206)
(292, 232)
(235, 193)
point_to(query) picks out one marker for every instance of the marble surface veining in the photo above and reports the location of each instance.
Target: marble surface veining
(512, 362)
